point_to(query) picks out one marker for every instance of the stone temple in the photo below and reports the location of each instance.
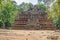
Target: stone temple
(34, 19)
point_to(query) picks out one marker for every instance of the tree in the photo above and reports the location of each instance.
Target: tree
(25, 6)
(55, 13)
(39, 1)
(42, 6)
(29, 6)
(8, 12)
(46, 2)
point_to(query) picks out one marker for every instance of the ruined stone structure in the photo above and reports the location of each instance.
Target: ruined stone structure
(33, 19)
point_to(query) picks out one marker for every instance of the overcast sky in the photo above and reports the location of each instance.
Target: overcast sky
(26, 1)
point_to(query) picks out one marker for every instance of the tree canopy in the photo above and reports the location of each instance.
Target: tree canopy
(28, 6)
(8, 12)
(55, 13)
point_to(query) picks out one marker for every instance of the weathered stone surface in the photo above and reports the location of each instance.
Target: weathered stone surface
(33, 19)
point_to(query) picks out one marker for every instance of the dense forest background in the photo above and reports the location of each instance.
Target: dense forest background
(9, 11)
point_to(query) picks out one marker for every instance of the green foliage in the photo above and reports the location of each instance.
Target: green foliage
(55, 14)
(0, 24)
(44, 8)
(28, 6)
(46, 2)
(39, 1)
(25, 6)
(8, 12)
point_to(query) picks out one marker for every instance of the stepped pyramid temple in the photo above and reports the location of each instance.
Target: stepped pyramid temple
(34, 19)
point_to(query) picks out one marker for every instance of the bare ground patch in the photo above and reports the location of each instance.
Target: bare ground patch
(29, 35)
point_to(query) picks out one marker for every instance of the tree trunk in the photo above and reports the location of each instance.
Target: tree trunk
(3, 25)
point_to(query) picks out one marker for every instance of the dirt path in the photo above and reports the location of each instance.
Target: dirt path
(29, 35)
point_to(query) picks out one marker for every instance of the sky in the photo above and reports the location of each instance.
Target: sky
(26, 1)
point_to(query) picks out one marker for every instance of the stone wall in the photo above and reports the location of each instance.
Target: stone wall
(33, 19)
